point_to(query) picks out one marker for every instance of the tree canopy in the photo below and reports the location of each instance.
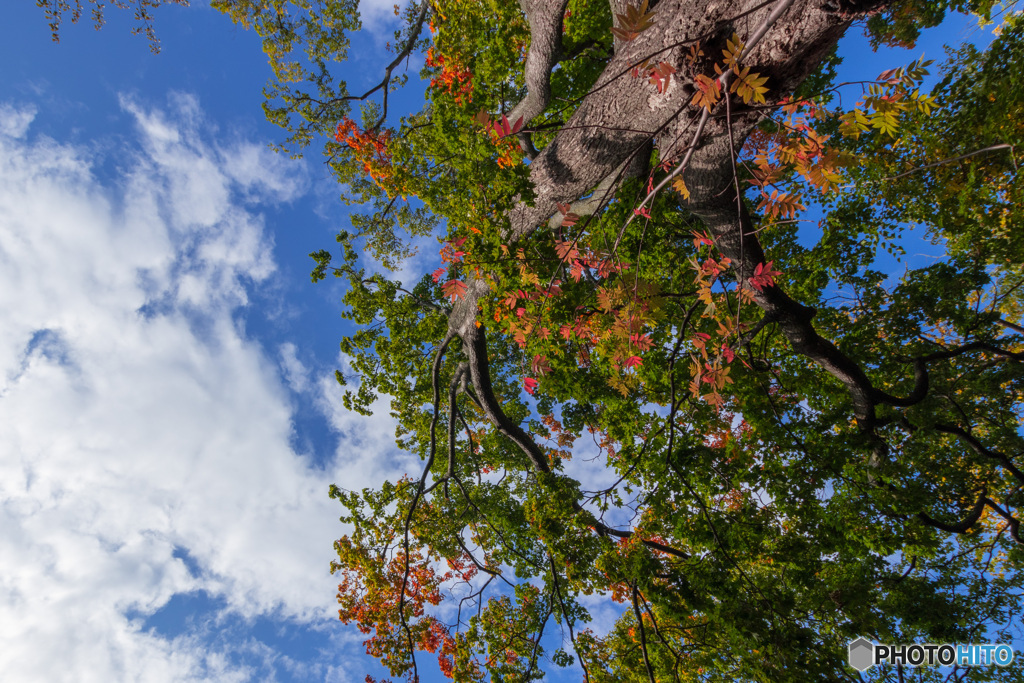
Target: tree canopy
(656, 368)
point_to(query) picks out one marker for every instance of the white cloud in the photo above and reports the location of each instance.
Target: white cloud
(263, 172)
(378, 16)
(15, 121)
(373, 434)
(138, 416)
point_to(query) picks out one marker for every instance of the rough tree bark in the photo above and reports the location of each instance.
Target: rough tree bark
(622, 116)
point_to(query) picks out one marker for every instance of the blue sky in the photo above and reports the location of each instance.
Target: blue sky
(169, 421)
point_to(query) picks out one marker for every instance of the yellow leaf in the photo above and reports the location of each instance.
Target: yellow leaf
(734, 48)
(679, 186)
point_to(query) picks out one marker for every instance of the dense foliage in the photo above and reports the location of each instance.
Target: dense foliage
(658, 367)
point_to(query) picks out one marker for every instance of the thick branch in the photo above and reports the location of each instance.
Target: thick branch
(633, 167)
(1011, 326)
(479, 368)
(963, 525)
(741, 246)
(545, 17)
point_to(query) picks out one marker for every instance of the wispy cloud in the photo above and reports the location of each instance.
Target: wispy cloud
(14, 121)
(294, 371)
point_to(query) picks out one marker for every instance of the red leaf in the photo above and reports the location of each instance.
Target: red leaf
(530, 384)
(540, 366)
(661, 74)
(641, 341)
(503, 128)
(700, 238)
(553, 291)
(450, 252)
(566, 250)
(605, 268)
(889, 76)
(763, 276)
(632, 362)
(454, 289)
(439, 273)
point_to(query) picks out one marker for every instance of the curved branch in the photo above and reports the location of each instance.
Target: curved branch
(975, 346)
(993, 148)
(1013, 522)
(916, 395)
(479, 369)
(976, 446)
(497, 532)
(920, 390)
(1010, 325)
(435, 372)
(963, 525)
(568, 619)
(453, 389)
(743, 248)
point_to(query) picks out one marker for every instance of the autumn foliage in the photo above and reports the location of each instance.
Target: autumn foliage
(370, 147)
(659, 368)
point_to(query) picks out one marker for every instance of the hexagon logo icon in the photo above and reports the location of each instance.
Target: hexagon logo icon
(862, 654)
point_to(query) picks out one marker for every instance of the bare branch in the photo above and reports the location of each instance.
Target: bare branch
(435, 371)
(416, 28)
